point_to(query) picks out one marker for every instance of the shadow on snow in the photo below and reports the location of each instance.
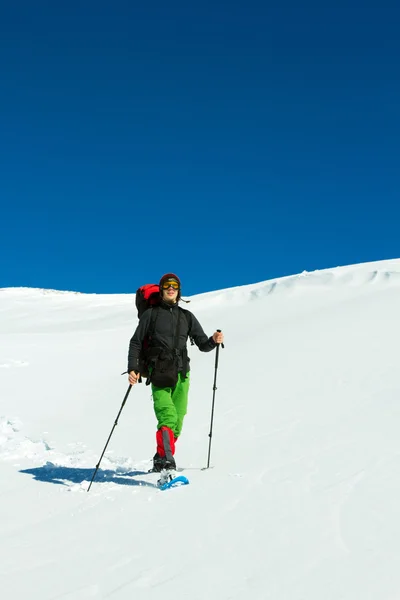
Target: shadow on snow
(50, 473)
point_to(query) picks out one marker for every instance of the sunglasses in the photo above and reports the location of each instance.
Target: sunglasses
(168, 284)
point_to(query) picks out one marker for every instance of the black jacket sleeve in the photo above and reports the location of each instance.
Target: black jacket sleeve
(202, 341)
(135, 344)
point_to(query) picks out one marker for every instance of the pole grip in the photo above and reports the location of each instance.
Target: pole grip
(219, 331)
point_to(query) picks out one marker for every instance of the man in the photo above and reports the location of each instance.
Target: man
(167, 328)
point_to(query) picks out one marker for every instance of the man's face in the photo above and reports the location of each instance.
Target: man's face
(170, 291)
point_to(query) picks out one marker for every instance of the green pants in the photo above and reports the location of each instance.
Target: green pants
(170, 404)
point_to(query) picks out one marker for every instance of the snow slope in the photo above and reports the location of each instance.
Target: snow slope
(302, 500)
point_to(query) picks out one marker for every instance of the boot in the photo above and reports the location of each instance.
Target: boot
(170, 465)
(158, 463)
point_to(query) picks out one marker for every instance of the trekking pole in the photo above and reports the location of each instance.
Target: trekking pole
(109, 437)
(213, 401)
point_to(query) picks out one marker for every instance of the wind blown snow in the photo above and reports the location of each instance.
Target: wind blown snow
(302, 502)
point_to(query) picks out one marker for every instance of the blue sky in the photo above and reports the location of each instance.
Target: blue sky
(227, 142)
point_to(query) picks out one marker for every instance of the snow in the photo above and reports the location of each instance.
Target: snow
(302, 500)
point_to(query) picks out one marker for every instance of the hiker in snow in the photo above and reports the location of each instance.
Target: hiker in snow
(158, 350)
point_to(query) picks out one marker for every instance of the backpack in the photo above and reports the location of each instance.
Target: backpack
(148, 296)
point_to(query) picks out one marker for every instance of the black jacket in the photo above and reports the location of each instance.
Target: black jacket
(164, 333)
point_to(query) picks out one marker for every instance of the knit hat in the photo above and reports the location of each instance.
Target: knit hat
(170, 276)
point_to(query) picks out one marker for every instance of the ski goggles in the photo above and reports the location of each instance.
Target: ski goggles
(167, 284)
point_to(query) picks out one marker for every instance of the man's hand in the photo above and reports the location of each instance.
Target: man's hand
(218, 337)
(133, 377)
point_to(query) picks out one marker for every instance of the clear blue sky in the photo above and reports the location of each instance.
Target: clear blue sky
(228, 142)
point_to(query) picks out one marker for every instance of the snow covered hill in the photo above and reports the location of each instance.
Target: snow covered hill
(302, 500)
